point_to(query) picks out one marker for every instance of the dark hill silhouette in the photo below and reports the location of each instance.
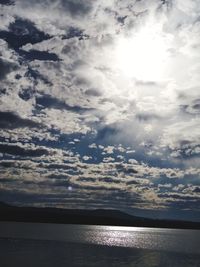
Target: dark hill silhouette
(91, 217)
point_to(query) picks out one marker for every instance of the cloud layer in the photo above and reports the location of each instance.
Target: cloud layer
(100, 104)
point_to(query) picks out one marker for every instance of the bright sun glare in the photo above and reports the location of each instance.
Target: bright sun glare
(143, 55)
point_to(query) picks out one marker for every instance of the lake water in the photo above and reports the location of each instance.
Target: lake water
(31, 244)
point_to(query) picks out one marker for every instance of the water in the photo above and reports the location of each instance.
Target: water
(30, 244)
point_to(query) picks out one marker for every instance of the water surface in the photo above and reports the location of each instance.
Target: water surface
(30, 244)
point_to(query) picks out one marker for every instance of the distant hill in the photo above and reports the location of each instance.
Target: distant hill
(91, 217)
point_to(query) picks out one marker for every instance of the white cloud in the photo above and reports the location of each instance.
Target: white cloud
(86, 158)
(93, 145)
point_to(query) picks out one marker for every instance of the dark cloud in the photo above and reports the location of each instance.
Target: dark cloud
(58, 176)
(196, 106)
(47, 183)
(35, 75)
(22, 32)
(109, 180)
(107, 132)
(187, 150)
(166, 2)
(145, 83)
(121, 20)
(93, 92)
(178, 197)
(130, 171)
(9, 120)
(47, 101)
(26, 93)
(7, 164)
(75, 32)
(125, 170)
(76, 7)
(7, 180)
(96, 188)
(15, 164)
(192, 108)
(21, 151)
(3, 91)
(5, 68)
(6, 2)
(38, 55)
(60, 166)
(86, 179)
(132, 182)
(147, 116)
(196, 189)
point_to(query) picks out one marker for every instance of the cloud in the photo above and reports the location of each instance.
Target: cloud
(47, 101)
(108, 179)
(76, 8)
(5, 68)
(101, 97)
(179, 138)
(9, 120)
(6, 2)
(22, 151)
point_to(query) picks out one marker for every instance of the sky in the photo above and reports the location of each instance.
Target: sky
(100, 105)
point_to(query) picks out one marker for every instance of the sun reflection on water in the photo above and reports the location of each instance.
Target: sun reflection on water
(138, 237)
(119, 236)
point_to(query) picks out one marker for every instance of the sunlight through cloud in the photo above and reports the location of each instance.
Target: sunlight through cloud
(144, 54)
